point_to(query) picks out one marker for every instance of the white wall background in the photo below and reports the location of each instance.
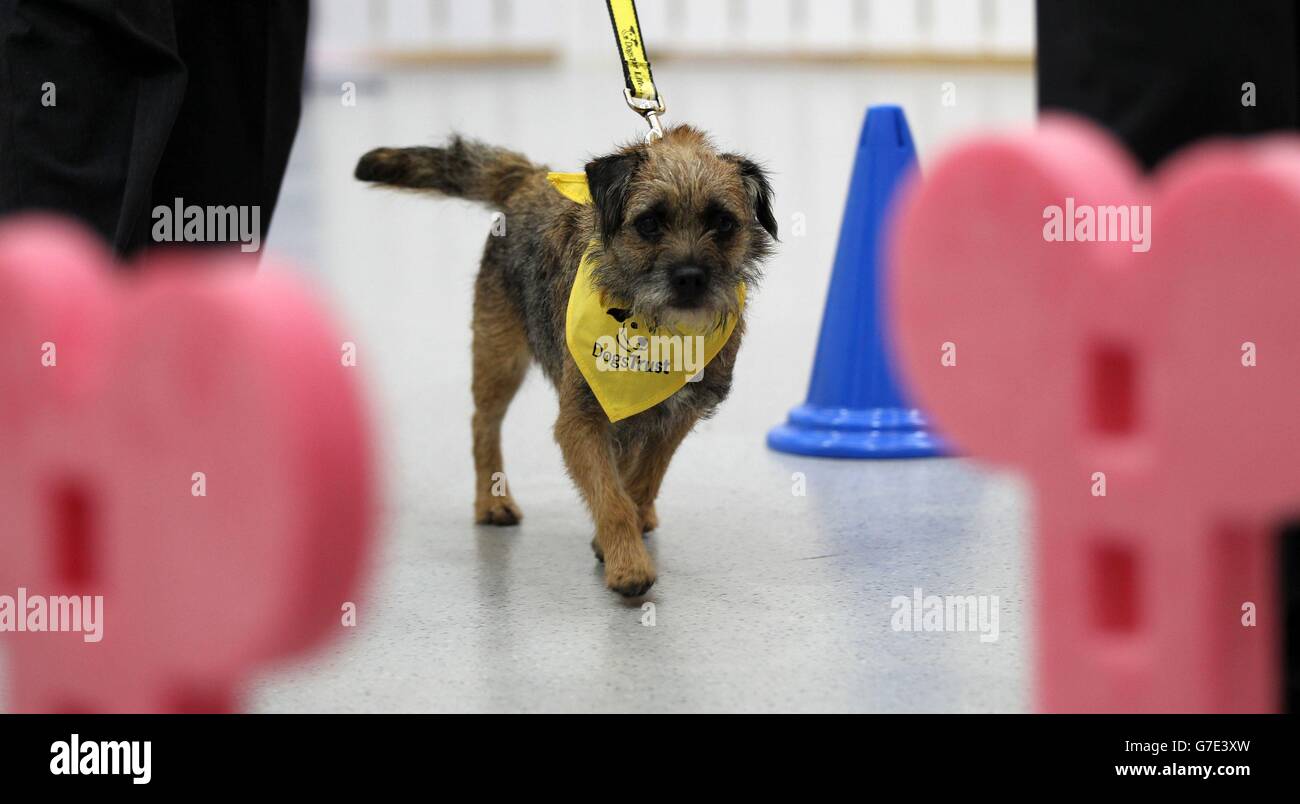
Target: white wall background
(356, 30)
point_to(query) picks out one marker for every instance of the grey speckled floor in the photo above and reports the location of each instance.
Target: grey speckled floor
(766, 600)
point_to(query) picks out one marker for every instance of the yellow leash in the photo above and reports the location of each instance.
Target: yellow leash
(641, 95)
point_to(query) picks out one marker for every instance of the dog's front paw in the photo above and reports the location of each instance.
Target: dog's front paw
(630, 577)
(497, 511)
(649, 519)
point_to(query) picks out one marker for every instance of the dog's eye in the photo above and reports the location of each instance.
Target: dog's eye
(647, 226)
(724, 224)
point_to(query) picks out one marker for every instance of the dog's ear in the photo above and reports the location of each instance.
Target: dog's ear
(610, 178)
(760, 192)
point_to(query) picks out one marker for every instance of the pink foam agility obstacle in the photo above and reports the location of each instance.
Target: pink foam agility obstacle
(1174, 372)
(114, 393)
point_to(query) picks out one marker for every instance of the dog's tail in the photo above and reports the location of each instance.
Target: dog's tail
(462, 168)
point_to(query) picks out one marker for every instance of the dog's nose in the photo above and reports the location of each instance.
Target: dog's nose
(688, 280)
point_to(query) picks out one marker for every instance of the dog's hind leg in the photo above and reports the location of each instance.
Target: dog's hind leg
(501, 360)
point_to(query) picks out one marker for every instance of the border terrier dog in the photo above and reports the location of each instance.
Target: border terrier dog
(677, 225)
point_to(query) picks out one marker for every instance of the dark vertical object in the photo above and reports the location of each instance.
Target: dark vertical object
(1161, 74)
(231, 139)
(152, 101)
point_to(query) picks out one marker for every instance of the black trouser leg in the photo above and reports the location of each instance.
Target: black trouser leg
(152, 101)
(88, 93)
(230, 143)
(1161, 74)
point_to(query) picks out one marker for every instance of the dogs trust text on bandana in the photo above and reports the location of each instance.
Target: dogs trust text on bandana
(629, 366)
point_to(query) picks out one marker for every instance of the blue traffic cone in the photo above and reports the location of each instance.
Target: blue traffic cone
(855, 408)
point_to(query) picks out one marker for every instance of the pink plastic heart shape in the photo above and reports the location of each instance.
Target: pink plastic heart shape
(1161, 362)
(185, 442)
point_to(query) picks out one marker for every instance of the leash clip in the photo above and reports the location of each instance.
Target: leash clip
(650, 110)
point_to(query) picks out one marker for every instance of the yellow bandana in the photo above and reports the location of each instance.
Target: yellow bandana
(629, 366)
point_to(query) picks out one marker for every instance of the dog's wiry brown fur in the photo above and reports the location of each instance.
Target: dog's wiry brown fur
(672, 209)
